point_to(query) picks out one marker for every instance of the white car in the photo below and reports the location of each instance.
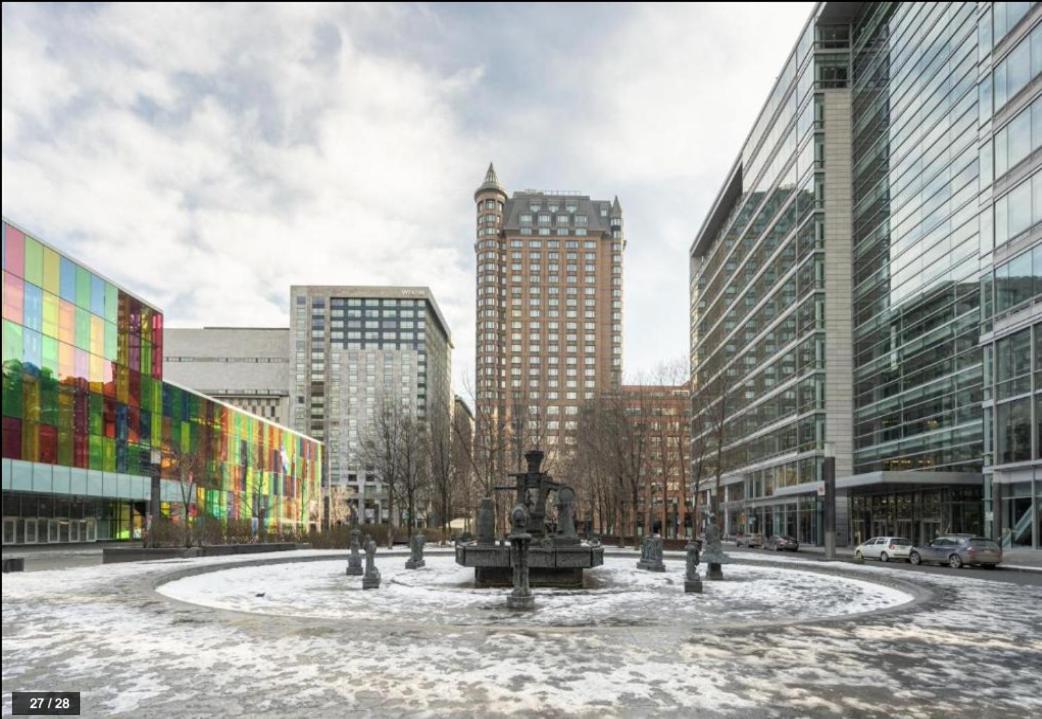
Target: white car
(884, 548)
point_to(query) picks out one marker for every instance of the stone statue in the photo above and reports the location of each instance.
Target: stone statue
(692, 582)
(651, 554)
(714, 552)
(415, 560)
(521, 596)
(354, 560)
(486, 522)
(566, 534)
(371, 579)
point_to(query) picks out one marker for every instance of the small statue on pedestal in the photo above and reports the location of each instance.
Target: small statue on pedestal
(354, 560)
(371, 579)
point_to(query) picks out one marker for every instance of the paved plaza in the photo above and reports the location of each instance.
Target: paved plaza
(781, 636)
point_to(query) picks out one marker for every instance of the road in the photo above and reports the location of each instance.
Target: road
(1018, 578)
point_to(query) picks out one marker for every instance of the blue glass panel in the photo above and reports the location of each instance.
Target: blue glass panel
(32, 348)
(97, 295)
(68, 280)
(33, 307)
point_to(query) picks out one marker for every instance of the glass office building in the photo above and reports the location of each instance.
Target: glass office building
(942, 129)
(770, 300)
(85, 405)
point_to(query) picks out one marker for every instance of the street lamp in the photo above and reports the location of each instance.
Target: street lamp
(828, 472)
(155, 467)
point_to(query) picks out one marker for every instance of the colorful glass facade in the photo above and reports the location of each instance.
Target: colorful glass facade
(85, 404)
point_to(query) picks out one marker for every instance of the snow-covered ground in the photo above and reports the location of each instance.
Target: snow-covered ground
(443, 593)
(974, 650)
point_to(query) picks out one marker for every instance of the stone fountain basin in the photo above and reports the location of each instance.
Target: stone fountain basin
(614, 594)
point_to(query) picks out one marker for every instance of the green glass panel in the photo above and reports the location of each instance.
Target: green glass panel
(83, 329)
(12, 341)
(49, 400)
(111, 303)
(82, 288)
(65, 445)
(96, 416)
(108, 446)
(50, 355)
(12, 399)
(97, 453)
(111, 342)
(33, 261)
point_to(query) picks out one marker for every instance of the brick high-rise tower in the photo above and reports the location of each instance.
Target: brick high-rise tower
(549, 316)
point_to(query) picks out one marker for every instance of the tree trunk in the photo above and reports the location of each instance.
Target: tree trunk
(390, 518)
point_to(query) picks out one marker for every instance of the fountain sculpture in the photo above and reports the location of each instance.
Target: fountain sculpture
(555, 559)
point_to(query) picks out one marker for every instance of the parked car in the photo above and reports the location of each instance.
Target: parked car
(748, 540)
(956, 550)
(884, 548)
(781, 542)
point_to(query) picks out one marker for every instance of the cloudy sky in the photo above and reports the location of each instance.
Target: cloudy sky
(207, 156)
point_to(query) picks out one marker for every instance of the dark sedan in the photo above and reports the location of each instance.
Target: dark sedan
(956, 550)
(782, 542)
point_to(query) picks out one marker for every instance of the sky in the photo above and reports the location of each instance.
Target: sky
(206, 157)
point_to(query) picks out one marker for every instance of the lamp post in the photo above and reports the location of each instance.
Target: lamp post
(828, 471)
(155, 467)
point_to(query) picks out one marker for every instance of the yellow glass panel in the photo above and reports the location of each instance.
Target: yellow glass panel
(97, 372)
(66, 361)
(67, 322)
(50, 315)
(97, 336)
(51, 271)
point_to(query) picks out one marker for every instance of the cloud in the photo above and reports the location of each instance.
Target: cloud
(209, 156)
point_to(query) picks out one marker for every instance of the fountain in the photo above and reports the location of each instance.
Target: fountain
(554, 559)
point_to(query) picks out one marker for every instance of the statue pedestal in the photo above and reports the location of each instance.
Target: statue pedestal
(715, 572)
(521, 602)
(371, 581)
(354, 566)
(415, 564)
(651, 566)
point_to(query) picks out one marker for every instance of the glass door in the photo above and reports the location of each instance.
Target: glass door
(52, 531)
(929, 528)
(31, 531)
(9, 530)
(92, 530)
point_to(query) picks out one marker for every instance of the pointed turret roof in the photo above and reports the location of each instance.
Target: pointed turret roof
(491, 182)
(616, 208)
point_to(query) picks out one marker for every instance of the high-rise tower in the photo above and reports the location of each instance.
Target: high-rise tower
(549, 315)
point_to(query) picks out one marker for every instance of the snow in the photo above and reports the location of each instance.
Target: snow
(617, 595)
(316, 646)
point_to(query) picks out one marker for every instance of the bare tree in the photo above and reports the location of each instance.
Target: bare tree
(442, 474)
(708, 437)
(381, 452)
(414, 459)
(191, 468)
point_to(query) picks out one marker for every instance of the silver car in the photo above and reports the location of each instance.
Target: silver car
(956, 550)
